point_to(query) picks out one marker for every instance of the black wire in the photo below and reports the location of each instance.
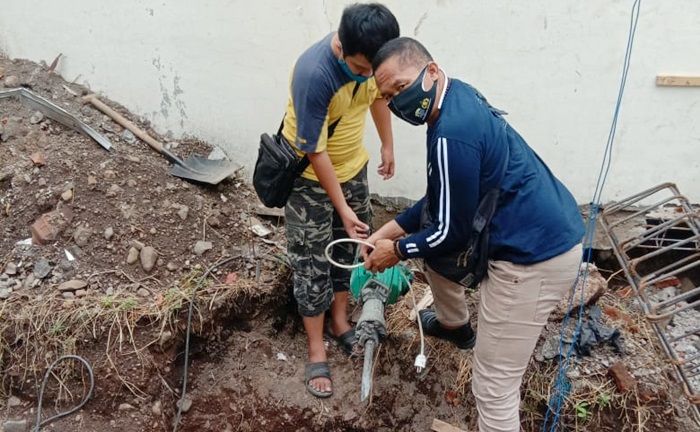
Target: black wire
(39, 424)
(190, 310)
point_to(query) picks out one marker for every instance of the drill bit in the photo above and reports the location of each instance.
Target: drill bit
(367, 370)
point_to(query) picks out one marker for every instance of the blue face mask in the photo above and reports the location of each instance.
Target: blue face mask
(353, 76)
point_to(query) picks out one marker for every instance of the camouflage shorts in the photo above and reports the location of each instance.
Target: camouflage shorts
(312, 223)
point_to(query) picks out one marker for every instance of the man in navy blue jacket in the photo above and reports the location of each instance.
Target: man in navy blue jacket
(534, 243)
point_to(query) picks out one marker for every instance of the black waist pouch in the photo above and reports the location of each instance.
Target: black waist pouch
(469, 265)
(277, 167)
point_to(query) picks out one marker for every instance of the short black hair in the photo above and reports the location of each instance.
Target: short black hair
(409, 50)
(364, 28)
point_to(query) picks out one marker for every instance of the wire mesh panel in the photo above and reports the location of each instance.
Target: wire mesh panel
(655, 235)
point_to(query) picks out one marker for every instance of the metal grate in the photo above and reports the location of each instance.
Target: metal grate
(658, 246)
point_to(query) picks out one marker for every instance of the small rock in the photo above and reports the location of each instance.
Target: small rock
(183, 212)
(67, 195)
(110, 126)
(143, 292)
(110, 174)
(113, 191)
(11, 81)
(72, 285)
(36, 118)
(171, 266)
(282, 357)
(202, 246)
(165, 337)
(68, 295)
(126, 407)
(15, 426)
(109, 233)
(128, 136)
(149, 256)
(5, 293)
(41, 182)
(91, 180)
(38, 159)
(133, 159)
(11, 269)
(109, 291)
(131, 183)
(153, 231)
(42, 268)
(184, 404)
(14, 401)
(81, 236)
(66, 264)
(214, 222)
(81, 293)
(29, 281)
(87, 111)
(133, 256)
(157, 408)
(137, 244)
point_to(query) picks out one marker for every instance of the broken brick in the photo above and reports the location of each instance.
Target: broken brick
(671, 281)
(50, 225)
(622, 377)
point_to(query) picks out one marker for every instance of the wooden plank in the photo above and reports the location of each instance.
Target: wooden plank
(677, 81)
(441, 426)
(425, 302)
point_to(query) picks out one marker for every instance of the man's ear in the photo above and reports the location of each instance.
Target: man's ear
(433, 71)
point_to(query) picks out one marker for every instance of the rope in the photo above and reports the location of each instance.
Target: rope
(40, 424)
(562, 386)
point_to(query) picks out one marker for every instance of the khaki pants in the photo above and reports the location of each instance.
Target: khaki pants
(516, 301)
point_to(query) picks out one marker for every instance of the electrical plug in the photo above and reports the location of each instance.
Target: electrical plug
(421, 361)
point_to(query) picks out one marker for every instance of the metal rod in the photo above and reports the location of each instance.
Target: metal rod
(367, 370)
(649, 234)
(644, 210)
(653, 278)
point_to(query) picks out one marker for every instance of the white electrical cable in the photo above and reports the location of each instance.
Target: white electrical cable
(345, 240)
(421, 359)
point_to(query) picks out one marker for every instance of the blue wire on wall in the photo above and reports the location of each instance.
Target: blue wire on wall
(562, 386)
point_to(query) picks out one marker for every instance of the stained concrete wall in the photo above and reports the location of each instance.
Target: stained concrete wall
(218, 69)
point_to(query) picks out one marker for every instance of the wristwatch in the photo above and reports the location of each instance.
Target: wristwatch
(397, 251)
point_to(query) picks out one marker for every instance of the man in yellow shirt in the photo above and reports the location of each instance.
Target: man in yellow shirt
(331, 91)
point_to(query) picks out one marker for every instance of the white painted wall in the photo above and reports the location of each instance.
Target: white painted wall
(218, 69)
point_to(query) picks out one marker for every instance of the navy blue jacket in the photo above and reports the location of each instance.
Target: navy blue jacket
(537, 217)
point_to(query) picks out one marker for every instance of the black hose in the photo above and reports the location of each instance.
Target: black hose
(221, 262)
(39, 424)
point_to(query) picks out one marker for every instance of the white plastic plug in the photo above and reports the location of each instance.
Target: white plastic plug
(421, 361)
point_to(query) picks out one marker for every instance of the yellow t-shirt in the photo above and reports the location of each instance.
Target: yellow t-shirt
(322, 98)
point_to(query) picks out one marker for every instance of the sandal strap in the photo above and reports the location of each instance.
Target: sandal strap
(317, 370)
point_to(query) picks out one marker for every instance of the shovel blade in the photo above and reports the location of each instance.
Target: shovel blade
(203, 170)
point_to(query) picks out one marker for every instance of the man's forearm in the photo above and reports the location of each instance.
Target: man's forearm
(390, 230)
(382, 120)
(329, 181)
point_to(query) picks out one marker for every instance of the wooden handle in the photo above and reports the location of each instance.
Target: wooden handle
(142, 135)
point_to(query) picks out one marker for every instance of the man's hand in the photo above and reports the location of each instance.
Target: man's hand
(382, 257)
(355, 228)
(386, 168)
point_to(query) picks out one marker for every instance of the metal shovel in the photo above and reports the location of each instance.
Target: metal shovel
(195, 168)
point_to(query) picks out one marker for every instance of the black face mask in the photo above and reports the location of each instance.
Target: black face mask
(414, 104)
